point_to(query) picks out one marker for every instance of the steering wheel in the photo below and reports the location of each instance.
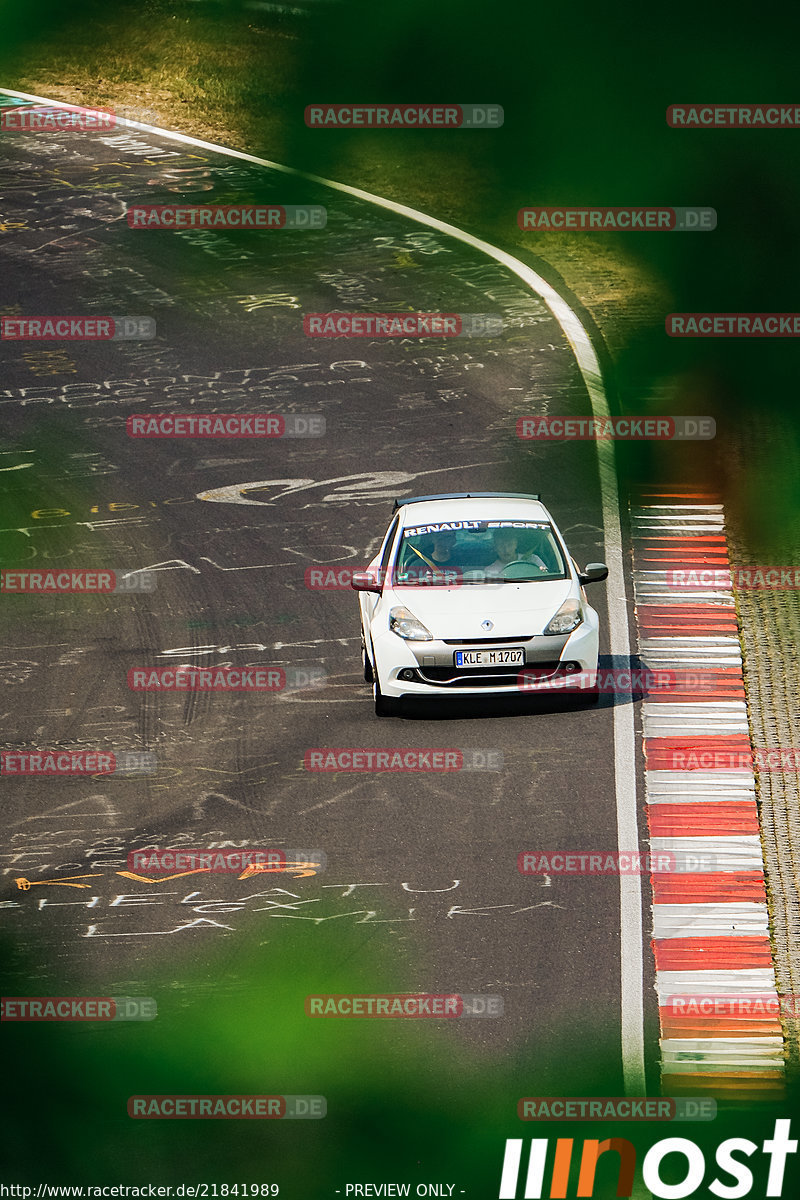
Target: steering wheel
(519, 562)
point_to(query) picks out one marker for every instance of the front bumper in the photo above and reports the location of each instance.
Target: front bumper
(426, 668)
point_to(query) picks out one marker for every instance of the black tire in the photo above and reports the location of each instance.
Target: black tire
(385, 706)
(365, 663)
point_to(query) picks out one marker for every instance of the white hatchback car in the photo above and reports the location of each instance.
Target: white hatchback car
(469, 590)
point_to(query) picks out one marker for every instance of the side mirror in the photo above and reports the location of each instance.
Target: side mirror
(594, 573)
(365, 581)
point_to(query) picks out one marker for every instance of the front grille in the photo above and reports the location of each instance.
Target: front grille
(481, 641)
(453, 677)
(491, 677)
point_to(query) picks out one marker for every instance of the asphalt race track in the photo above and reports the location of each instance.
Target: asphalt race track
(420, 868)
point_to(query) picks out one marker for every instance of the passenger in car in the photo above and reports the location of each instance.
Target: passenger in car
(506, 544)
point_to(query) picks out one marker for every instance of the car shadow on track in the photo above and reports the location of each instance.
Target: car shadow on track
(621, 680)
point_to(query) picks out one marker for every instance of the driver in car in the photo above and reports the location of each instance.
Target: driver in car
(434, 555)
(506, 542)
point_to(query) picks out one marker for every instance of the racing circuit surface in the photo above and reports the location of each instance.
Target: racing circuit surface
(420, 868)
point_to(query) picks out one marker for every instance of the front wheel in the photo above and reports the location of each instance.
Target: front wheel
(365, 663)
(385, 706)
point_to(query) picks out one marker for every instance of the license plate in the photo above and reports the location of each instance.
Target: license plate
(512, 656)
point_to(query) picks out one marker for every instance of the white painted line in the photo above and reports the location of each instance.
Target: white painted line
(697, 797)
(683, 725)
(710, 920)
(739, 1053)
(631, 920)
(711, 642)
(650, 575)
(662, 660)
(654, 593)
(648, 527)
(701, 709)
(751, 1043)
(706, 855)
(713, 785)
(749, 981)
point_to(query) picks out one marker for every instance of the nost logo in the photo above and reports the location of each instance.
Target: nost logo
(691, 1159)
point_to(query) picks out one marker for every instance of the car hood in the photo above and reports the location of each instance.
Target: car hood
(515, 609)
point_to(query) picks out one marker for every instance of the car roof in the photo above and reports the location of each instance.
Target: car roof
(423, 510)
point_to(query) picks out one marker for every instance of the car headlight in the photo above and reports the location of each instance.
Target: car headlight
(568, 617)
(403, 622)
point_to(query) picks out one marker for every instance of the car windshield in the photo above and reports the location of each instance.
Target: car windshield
(498, 551)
